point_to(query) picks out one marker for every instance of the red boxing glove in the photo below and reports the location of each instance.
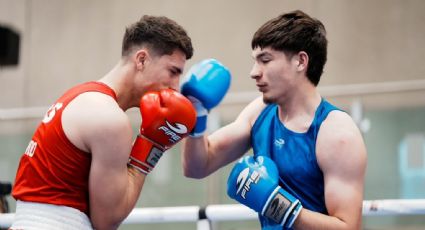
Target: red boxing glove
(167, 117)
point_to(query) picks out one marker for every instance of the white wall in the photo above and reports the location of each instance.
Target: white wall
(71, 41)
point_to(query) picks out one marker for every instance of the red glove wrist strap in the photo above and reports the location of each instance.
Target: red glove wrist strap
(145, 154)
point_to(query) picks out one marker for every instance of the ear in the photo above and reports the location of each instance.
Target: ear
(140, 58)
(302, 61)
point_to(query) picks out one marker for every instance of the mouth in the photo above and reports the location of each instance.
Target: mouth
(261, 87)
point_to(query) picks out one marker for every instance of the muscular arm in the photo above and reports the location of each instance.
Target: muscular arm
(341, 155)
(204, 155)
(114, 189)
(104, 130)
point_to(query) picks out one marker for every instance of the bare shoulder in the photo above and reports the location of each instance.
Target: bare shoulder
(340, 142)
(251, 112)
(93, 118)
(337, 127)
(233, 140)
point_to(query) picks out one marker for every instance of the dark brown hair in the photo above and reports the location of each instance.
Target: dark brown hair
(160, 34)
(294, 32)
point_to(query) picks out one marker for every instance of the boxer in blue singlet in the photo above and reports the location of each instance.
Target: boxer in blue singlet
(309, 159)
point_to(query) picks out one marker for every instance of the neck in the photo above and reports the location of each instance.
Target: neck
(119, 79)
(298, 109)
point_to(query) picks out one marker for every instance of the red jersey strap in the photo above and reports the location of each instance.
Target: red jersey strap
(92, 86)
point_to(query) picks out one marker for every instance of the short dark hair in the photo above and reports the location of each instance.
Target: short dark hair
(161, 34)
(294, 32)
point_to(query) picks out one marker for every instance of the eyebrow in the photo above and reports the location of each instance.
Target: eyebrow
(262, 54)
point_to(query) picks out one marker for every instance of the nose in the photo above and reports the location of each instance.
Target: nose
(175, 84)
(255, 72)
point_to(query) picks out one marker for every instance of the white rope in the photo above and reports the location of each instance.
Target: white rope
(230, 212)
(393, 207)
(163, 215)
(238, 212)
(6, 220)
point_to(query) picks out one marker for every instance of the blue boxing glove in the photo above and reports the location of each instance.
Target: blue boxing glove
(254, 182)
(205, 84)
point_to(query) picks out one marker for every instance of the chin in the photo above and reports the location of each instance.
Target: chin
(268, 100)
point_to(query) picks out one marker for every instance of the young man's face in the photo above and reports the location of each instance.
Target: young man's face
(274, 73)
(161, 72)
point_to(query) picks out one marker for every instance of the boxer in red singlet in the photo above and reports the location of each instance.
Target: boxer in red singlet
(81, 169)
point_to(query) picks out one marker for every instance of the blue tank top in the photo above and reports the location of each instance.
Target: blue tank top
(295, 156)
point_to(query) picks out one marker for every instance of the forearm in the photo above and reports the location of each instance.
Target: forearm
(195, 157)
(118, 201)
(316, 221)
(136, 180)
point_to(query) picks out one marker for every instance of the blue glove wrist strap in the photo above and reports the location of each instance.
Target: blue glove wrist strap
(200, 127)
(282, 207)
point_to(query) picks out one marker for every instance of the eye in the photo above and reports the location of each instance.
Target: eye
(175, 71)
(265, 60)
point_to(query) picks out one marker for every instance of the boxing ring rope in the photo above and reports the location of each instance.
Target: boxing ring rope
(237, 212)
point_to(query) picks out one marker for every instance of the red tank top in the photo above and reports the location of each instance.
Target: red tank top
(53, 170)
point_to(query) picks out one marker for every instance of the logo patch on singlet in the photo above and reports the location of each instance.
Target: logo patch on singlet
(279, 143)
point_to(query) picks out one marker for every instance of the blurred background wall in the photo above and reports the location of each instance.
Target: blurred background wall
(375, 71)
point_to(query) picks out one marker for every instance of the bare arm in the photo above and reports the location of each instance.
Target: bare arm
(204, 155)
(341, 154)
(104, 130)
(114, 188)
